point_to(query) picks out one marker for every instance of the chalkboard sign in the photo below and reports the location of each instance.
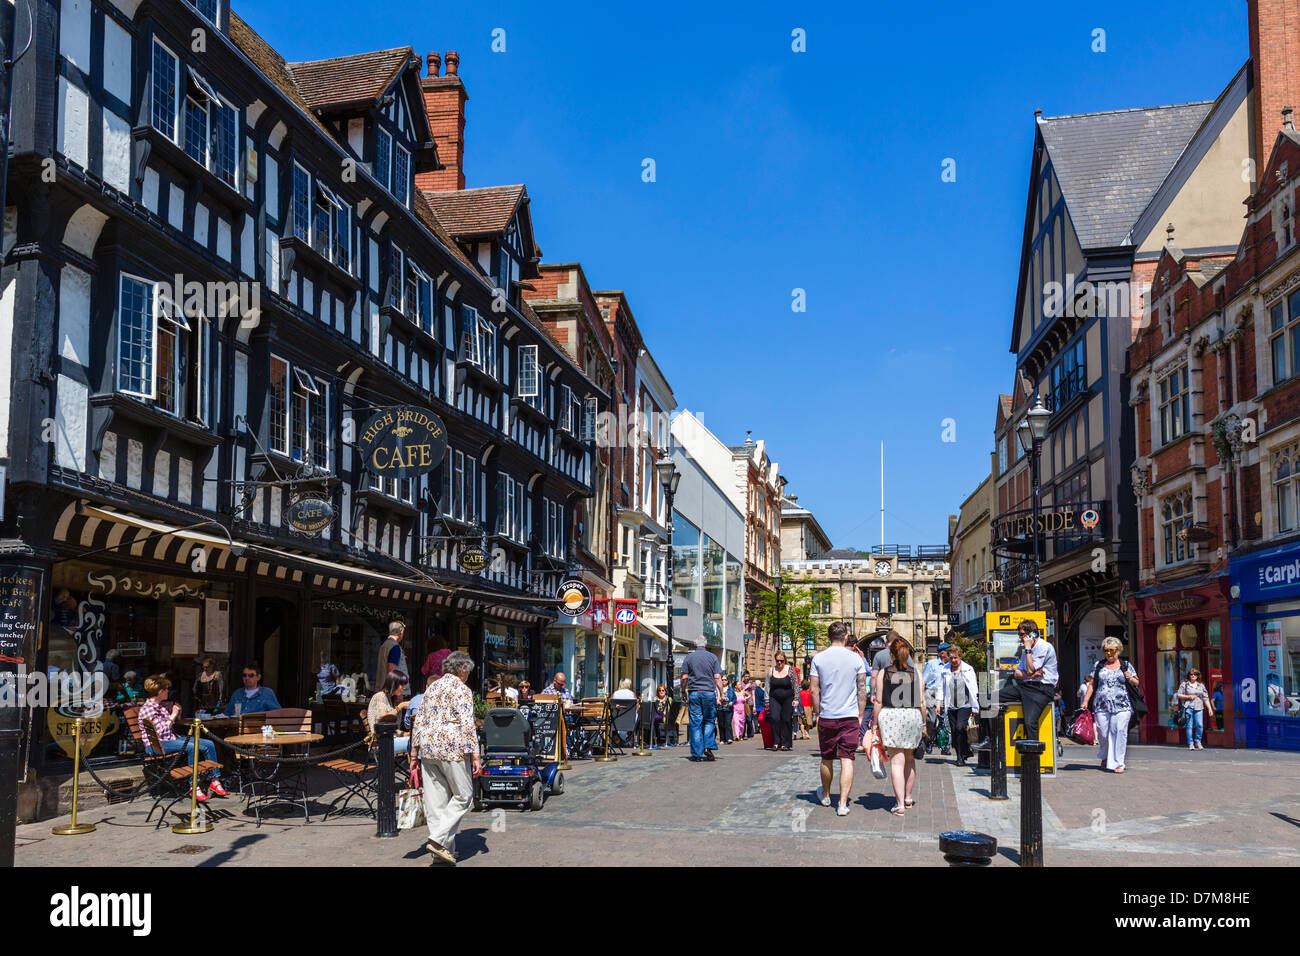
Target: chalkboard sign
(547, 718)
(20, 597)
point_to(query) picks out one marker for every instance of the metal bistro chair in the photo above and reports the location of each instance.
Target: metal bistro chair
(670, 724)
(358, 778)
(247, 770)
(623, 721)
(168, 776)
(591, 727)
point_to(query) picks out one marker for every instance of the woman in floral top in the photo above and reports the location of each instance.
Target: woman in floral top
(162, 713)
(445, 741)
(1112, 708)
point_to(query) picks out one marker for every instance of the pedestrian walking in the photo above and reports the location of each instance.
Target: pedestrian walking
(807, 719)
(932, 677)
(839, 698)
(702, 688)
(739, 701)
(751, 719)
(1034, 685)
(445, 741)
(960, 698)
(1112, 708)
(1195, 701)
(780, 701)
(726, 704)
(899, 695)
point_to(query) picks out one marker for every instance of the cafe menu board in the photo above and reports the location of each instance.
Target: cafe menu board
(20, 595)
(547, 719)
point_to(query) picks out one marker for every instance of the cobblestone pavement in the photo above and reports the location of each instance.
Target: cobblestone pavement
(1172, 808)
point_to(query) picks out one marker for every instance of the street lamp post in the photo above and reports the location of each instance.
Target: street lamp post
(940, 582)
(1031, 432)
(669, 478)
(925, 607)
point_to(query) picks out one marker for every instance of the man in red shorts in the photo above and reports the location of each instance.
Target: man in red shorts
(839, 699)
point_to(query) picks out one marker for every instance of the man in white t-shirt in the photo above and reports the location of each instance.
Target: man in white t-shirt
(839, 698)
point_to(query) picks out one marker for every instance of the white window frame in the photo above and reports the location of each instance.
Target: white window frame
(1175, 550)
(176, 96)
(384, 171)
(529, 378)
(1174, 409)
(404, 196)
(1286, 490)
(286, 426)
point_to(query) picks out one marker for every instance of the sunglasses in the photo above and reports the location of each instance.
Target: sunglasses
(249, 675)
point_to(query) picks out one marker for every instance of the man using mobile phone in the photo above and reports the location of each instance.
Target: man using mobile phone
(1034, 685)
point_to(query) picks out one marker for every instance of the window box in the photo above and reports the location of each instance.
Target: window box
(148, 140)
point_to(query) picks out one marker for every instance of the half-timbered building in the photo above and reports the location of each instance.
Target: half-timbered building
(219, 268)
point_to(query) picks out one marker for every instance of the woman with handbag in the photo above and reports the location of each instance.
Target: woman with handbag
(899, 702)
(1194, 700)
(1109, 697)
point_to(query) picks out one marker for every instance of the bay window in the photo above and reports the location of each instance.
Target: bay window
(298, 413)
(162, 354)
(321, 219)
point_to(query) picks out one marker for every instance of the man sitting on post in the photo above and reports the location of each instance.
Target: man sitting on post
(1034, 684)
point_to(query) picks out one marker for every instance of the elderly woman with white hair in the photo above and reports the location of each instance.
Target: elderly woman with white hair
(445, 740)
(1111, 705)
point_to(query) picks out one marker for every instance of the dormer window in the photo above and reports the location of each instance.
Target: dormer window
(383, 157)
(402, 176)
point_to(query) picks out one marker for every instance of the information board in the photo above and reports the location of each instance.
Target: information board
(20, 595)
(1002, 631)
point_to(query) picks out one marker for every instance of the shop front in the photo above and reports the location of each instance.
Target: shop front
(1266, 648)
(1181, 628)
(128, 621)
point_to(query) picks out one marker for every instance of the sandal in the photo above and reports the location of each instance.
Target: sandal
(908, 804)
(1119, 770)
(898, 810)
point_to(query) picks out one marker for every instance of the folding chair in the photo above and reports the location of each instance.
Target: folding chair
(623, 720)
(168, 776)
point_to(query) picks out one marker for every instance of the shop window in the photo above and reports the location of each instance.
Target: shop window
(1279, 666)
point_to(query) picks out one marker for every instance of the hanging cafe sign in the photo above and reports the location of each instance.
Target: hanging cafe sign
(402, 442)
(473, 559)
(1080, 520)
(310, 515)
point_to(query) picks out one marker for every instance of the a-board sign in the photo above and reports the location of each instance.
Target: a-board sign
(547, 718)
(20, 596)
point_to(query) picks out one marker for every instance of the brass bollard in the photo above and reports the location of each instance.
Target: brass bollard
(564, 741)
(74, 828)
(195, 825)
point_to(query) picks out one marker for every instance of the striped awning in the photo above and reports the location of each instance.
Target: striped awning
(97, 527)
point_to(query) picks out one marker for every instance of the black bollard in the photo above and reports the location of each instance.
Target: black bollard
(1031, 803)
(966, 848)
(997, 760)
(983, 759)
(386, 805)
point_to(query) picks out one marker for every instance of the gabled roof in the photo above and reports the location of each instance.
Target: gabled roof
(347, 80)
(1109, 164)
(485, 211)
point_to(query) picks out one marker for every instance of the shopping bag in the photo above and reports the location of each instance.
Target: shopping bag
(877, 753)
(1082, 730)
(943, 737)
(410, 805)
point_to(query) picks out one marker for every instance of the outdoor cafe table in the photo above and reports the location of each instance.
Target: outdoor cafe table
(285, 786)
(220, 726)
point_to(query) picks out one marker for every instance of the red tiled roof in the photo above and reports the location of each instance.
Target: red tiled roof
(476, 212)
(348, 79)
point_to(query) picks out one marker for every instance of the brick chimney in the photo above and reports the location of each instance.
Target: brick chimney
(444, 102)
(1275, 69)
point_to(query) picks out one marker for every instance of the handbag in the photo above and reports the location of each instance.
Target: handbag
(1083, 731)
(1135, 698)
(410, 804)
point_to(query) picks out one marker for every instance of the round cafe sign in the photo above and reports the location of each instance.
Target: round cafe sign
(310, 515)
(402, 442)
(473, 558)
(574, 597)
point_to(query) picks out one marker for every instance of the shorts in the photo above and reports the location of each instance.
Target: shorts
(838, 737)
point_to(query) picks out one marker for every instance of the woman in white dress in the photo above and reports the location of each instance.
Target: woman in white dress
(898, 698)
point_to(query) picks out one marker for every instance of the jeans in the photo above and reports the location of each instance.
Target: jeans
(751, 726)
(704, 717)
(1112, 736)
(207, 750)
(448, 789)
(1195, 726)
(724, 721)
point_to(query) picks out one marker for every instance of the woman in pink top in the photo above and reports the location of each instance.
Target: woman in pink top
(738, 710)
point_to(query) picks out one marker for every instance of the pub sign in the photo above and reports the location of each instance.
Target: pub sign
(403, 442)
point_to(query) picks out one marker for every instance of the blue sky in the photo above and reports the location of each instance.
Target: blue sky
(779, 170)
